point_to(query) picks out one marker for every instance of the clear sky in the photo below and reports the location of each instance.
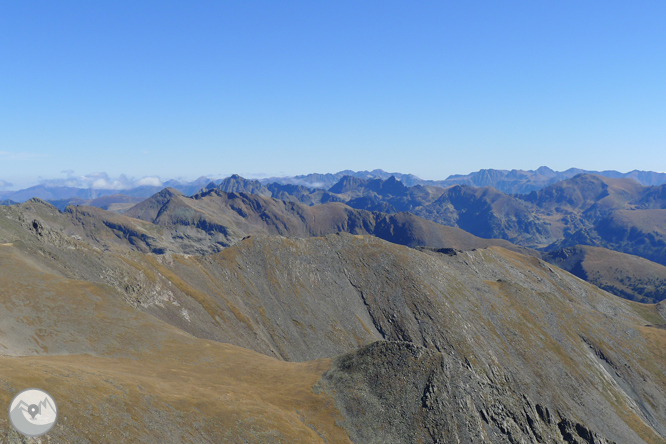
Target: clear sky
(183, 89)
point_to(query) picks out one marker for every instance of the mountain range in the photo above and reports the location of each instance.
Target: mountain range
(506, 181)
(335, 338)
(614, 214)
(589, 209)
(368, 312)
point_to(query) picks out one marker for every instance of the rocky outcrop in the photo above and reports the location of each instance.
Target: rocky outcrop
(400, 392)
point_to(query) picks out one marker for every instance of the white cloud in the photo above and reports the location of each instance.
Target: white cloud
(149, 181)
(305, 183)
(101, 181)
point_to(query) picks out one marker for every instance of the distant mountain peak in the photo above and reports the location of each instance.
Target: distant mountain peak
(346, 184)
(38, 201)
(170, 191)
(238, 184)
(545, 171)
(390, 186)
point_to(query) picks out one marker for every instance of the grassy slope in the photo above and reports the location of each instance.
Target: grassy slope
(122, 376)
(625, 275)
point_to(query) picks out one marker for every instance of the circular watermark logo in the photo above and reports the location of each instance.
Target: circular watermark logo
(33, 412)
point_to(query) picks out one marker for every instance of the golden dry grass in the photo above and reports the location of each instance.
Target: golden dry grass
(204, 380)
(193, 380)
(144, 380)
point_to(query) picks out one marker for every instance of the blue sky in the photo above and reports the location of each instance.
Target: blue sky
(183, 89)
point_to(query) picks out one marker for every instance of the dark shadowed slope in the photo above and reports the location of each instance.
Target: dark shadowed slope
(585, 191)
(488, 213)
(534, 220)
(546, 217)
(638, 232)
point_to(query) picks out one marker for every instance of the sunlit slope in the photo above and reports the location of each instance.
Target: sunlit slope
(529, 330)
(42, 313)
(189, 392)
(119, 375)
(626, 275)
(173, 387)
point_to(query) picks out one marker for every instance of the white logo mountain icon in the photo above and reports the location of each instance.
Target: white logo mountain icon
(33, 412)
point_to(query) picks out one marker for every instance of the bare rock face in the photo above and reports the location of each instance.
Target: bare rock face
(391, 392)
